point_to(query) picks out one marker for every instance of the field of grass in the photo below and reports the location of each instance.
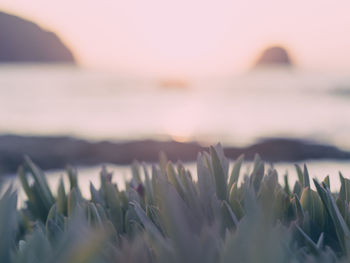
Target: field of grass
(163, 215)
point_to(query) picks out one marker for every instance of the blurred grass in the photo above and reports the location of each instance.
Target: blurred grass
(166, 216)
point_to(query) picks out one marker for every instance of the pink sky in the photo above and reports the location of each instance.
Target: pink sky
(184, 37)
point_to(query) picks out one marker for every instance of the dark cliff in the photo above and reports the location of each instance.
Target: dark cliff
(24, 41)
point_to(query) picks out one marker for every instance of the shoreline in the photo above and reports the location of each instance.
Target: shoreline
(56, 152)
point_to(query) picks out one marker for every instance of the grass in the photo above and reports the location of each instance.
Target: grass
(163, 215)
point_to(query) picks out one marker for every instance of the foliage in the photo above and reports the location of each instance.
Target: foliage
(167, 216)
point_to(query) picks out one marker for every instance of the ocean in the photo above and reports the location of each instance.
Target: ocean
(235, 109)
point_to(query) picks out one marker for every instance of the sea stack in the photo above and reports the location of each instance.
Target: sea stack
(24, 41)
(274, 56)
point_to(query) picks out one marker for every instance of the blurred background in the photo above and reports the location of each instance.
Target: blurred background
(183, 71)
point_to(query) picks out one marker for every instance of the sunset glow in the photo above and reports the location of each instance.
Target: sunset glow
(191, 37)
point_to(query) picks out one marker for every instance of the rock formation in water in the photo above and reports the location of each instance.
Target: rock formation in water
(57, 152)
(24, 41)
(274, 56)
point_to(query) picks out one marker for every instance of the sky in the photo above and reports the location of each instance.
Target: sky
(182, 37)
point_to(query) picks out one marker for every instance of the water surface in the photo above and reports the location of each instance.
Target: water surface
(235, 110)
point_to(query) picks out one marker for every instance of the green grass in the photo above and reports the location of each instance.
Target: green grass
(163, 215)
